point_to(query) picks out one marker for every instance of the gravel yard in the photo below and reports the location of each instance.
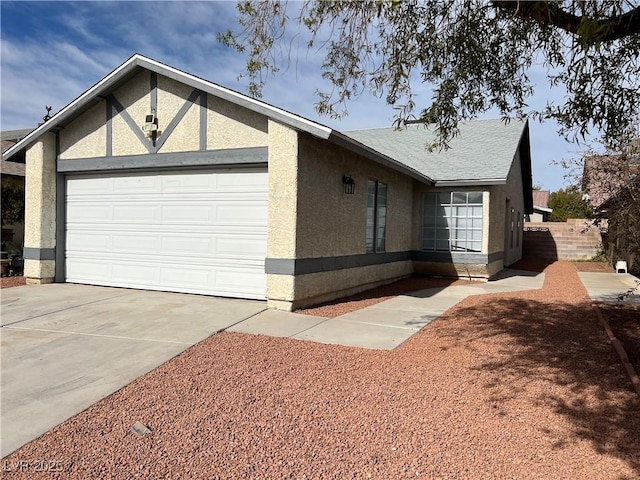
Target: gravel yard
(8, 282)
(521, 385)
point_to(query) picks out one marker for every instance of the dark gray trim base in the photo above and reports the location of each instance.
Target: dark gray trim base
(230, 157)
(302, 266)
(464, 258)
(30, 253)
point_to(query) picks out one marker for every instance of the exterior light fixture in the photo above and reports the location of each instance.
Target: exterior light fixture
(150, 127)
(349, 185)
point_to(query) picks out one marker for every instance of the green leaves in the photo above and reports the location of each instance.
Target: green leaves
(569, 203)
(475, 54)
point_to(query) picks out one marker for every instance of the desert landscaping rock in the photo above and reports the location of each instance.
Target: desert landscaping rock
(516, 385)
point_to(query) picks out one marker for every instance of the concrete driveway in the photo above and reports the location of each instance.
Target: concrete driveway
(65, 346)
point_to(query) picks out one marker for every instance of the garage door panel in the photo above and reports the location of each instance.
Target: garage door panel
(188, 214)
(239, 182)
(200, 245)
(89, 241)
(134, 242)
(234, 247)
(170, 231)
(241, 214)
(87, 212)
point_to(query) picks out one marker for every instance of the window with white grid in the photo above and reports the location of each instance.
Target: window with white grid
(452, 221)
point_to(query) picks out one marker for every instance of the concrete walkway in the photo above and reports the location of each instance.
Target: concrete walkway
(385, 325)
(607, 287)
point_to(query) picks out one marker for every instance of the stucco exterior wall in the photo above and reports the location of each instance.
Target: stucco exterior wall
(230, 126)
(40, 207)
(310, 216)
(86, 137)
(227, 125)
(135, 98)
(513, 191)
(283, 208)
(172, 96)
(315, 288)
(332, 223)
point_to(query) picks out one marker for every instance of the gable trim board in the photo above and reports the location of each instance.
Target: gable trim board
(314, 234)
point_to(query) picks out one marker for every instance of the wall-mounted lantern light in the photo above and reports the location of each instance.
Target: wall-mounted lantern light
(349, 185)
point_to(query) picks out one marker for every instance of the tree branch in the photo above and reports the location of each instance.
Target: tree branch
(551, 13)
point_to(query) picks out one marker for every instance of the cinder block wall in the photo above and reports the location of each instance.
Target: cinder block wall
(575, 239)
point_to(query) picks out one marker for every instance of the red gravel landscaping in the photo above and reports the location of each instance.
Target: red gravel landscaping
(505, 386)
(8, 282)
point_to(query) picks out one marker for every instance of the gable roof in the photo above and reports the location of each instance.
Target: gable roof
(138, 62)
(403, 151)
(481, 154)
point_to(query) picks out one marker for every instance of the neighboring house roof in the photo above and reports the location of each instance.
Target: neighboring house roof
(481, 154)
(9, 139)
(12, 168)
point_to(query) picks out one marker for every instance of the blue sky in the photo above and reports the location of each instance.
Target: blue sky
(51, 52)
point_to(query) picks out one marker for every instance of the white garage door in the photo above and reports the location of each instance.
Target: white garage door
(193, 232)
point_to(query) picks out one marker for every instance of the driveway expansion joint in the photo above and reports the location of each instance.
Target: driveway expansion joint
(66, 309)
(119, 337)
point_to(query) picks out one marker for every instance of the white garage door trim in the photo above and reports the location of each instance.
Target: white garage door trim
(194, 231)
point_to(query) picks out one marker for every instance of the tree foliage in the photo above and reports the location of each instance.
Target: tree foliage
(12, 201)
(568, 204)
(476, 55)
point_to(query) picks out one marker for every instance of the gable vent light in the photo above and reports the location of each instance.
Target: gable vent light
(150, 125)
(349, 185)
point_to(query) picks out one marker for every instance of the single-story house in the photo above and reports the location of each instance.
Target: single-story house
(157, 179)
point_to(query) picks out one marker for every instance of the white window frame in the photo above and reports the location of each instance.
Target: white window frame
(450, 224)
(376, 221)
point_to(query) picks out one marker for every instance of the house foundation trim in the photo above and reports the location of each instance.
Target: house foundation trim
(456, 257)
(31, 253)
(302, 266)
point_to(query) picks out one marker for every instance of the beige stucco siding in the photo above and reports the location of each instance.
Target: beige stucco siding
(332, 223)
(497, 202)
(283, 191)
(186, 136)
(40, 206)
(227, 125)
(86, 136)
(172, 96)
(231, 126)
(315, 288)
(135, 98)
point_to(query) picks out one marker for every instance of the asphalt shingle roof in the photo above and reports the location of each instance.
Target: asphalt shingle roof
(483, 150)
